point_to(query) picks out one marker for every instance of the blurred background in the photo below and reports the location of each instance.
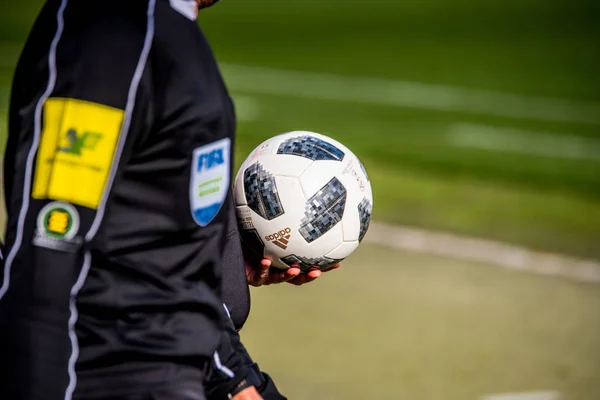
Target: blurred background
(480, 119)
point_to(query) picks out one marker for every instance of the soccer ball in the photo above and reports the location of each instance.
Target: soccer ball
(303, 199)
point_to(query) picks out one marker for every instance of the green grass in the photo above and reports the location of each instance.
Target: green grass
(391, 325)
(532, 47)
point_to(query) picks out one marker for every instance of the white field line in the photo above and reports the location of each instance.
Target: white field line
(549, 395)
(389, 92)
(486, 137)
(365, 90)
(312, 85)
(483, 251)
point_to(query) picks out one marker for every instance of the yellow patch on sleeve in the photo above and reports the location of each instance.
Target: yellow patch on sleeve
(76, 151)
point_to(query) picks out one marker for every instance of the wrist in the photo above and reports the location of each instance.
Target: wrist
(249, 393)
(253, 379)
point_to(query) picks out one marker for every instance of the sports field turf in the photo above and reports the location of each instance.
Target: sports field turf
(392, 325)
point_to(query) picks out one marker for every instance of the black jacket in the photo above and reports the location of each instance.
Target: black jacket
(117, 173)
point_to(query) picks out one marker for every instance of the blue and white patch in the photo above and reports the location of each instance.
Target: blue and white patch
(209, 180)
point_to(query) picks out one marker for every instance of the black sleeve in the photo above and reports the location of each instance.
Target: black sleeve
(233, 370)
(77, 107)
(234, 285)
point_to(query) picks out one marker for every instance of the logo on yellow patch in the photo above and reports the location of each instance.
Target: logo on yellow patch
(59, 221)
(57, 227)
(75, 142)
(76, 151)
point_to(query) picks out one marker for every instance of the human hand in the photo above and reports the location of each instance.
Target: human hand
(250, 393)
(265, 275)
(311, 275)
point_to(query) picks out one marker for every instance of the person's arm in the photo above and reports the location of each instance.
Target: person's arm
(233, 373)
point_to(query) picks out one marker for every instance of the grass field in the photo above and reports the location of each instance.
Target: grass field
(418, 327)
(445, 148)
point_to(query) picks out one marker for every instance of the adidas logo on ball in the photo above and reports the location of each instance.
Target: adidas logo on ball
(281, 238)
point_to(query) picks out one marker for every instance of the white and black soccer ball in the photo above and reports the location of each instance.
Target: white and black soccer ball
(303, 199)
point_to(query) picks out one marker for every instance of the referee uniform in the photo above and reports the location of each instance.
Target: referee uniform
(117, 172)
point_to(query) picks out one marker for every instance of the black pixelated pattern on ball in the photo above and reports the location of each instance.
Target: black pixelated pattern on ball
(323, 210)
(365, 209)
(261, 192)
(312, 148)
(306, 264)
